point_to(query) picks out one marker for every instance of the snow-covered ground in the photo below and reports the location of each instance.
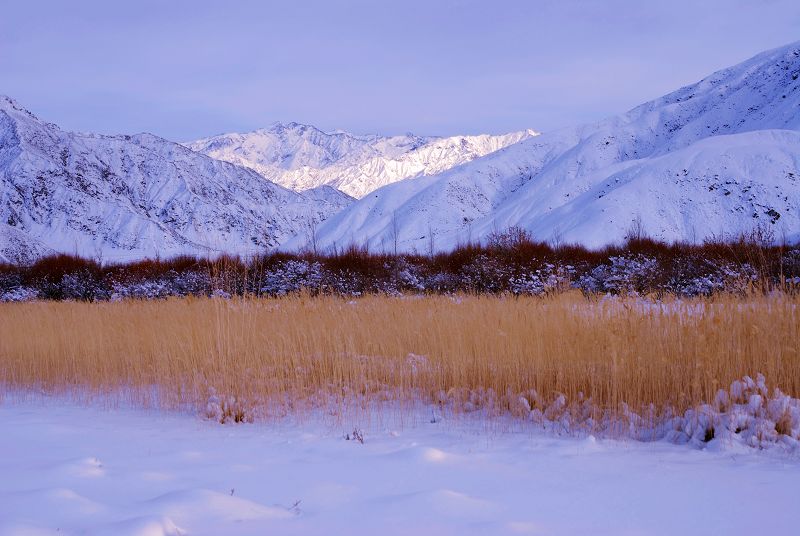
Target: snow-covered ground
(69, 469)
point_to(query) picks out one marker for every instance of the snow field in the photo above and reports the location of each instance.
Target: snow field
(69, 469)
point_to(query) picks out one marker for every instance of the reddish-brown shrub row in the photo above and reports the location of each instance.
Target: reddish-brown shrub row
(510, 261)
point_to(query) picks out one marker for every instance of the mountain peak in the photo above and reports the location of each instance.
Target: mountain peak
(717, 157)
(5, 100)
(10, 104)
(131, 196)
(280, 125)
(301, 157)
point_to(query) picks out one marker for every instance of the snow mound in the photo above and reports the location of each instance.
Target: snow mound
(196, 504)
(747, 414)
(140, 526)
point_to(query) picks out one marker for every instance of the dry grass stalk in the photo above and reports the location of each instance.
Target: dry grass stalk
(295, 352)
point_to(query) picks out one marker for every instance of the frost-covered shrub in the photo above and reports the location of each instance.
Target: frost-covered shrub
(790, 264)
(738, 279)
(19, 294)
(347, 283)
(10, 281)
(82, 285)
(623, 274)
(547, 279)
(441, 282)
(528, 284)
(408, 276)
(79, 285)
(158, 288)
(13, 290)
(292, 276)
(485, 274)
(191, 283)
(704, 285)
(708, 278)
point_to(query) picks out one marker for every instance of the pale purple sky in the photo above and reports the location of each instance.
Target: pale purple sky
(188, 69)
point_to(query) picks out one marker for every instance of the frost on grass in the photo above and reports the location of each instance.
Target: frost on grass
(228, 409)
(747, 414)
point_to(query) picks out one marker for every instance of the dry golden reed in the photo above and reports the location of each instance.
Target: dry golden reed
(292, 352)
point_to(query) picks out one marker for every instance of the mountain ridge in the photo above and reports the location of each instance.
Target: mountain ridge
(528, 183)
(299, 156)
(132, 196)
(712, 158)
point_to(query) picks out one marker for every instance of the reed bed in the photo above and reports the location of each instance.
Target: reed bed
(299, 352)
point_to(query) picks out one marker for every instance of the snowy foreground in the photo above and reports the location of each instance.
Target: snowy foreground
(68, 469)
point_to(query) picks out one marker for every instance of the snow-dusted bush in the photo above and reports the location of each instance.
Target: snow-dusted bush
(485, 274)
(549, 278)
(13, 290)
(441, 282)
(82, 286)
(704, 285)
(10, 281)
(790, 264)
(510, 263)
(292, 276)
(190, 283)
(78, 285)
(347, 283)
(532, 284)
(714, 278)
(19, 294)
(623, 274)
(408, 276)
(148, 289)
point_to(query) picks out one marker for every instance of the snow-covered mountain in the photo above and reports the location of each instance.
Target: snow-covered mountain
(126, 197)
(716, 157)
(300, 157)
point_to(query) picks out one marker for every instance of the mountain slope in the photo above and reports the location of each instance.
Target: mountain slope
(125, 197)
(669, 162)
(301, 156)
